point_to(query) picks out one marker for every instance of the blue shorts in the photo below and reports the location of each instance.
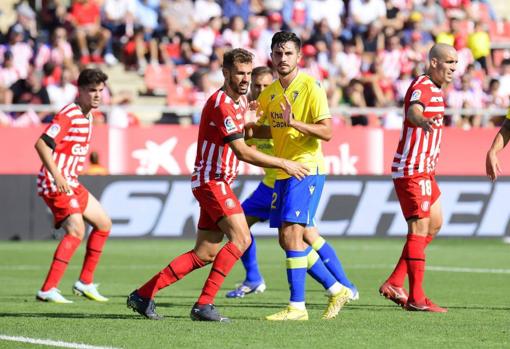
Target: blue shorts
(296, 201)
(258, 204)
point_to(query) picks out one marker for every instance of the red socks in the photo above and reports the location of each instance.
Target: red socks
(416, 265)
(222, 265)
(176, 270)
(186, 263)
(61, 258)
(95, 245)
(399, 274)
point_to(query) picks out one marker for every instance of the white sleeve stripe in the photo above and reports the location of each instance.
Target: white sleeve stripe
(74, 138)
(81, 121)
(218, 99)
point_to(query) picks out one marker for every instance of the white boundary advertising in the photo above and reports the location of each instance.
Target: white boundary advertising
(351, 206)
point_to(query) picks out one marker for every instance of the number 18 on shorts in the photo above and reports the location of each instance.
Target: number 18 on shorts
(416, 195)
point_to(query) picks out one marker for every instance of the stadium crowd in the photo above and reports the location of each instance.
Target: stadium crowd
(365, 51)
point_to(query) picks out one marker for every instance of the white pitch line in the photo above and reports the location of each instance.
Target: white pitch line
(435, 268)
(469, 270)
(50, 342)
(353, 266)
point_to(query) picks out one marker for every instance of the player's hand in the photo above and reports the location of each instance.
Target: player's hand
(254, 105)
(492, 168)
(287, 114)
(62, 185)
(295, 169)
(428, 124)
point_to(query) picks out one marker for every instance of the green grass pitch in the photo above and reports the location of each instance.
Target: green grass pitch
(470, 277)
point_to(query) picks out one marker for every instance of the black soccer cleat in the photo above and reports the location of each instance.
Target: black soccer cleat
(206, 312)
(143, 306)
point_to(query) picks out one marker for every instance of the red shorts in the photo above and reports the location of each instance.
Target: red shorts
(416, 195)
(216, 200)
(63, 205)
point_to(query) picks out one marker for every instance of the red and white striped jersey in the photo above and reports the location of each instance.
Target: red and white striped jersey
(417, 151)
(222, 121)
(71, 131)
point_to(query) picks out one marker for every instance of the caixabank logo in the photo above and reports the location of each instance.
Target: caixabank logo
(350, 206)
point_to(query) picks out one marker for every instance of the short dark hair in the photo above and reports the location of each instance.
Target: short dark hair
(91, 76)
(282, 37)
(262, 70)
(237, 55)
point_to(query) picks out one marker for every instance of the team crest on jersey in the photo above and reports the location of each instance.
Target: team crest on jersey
(230, 125)
(311, 188)
(425, 205)
(53, 131)
(298, 213)
(416, 95)
(294, 95)
(272, 97)
(230, 203)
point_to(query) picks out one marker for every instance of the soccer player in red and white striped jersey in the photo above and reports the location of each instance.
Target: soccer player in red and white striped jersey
(220, 147)
(63, 148)
(413, 172)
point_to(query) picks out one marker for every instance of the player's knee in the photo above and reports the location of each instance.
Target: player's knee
(106, 225)
(242, 242)
(207, 257)
(435, 229)
(76, 232)
(103, 224)
(75, 228)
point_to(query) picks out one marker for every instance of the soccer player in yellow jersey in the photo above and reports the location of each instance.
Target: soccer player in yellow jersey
(295, 107)
(258, 206)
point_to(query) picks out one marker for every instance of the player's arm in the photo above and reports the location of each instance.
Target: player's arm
(322, 128)
(415, 117)
(492, 168)
(44, 147)
(254, 130)
(254, 157)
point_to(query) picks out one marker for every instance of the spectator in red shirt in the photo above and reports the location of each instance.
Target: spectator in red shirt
(86, 18)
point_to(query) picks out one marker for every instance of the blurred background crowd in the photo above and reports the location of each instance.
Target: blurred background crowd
(365, 51)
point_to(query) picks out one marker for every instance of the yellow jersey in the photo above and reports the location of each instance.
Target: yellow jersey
(480, 44)
(265, 146)
(309, 105)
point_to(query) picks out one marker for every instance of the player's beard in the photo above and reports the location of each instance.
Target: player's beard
(289, 71)
(238, 89)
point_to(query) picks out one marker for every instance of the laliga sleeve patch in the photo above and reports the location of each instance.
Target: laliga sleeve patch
(230, 125)
(53, 131)
(416, 95)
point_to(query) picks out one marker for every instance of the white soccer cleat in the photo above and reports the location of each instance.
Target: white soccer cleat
(52, 296)
(89, 291)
